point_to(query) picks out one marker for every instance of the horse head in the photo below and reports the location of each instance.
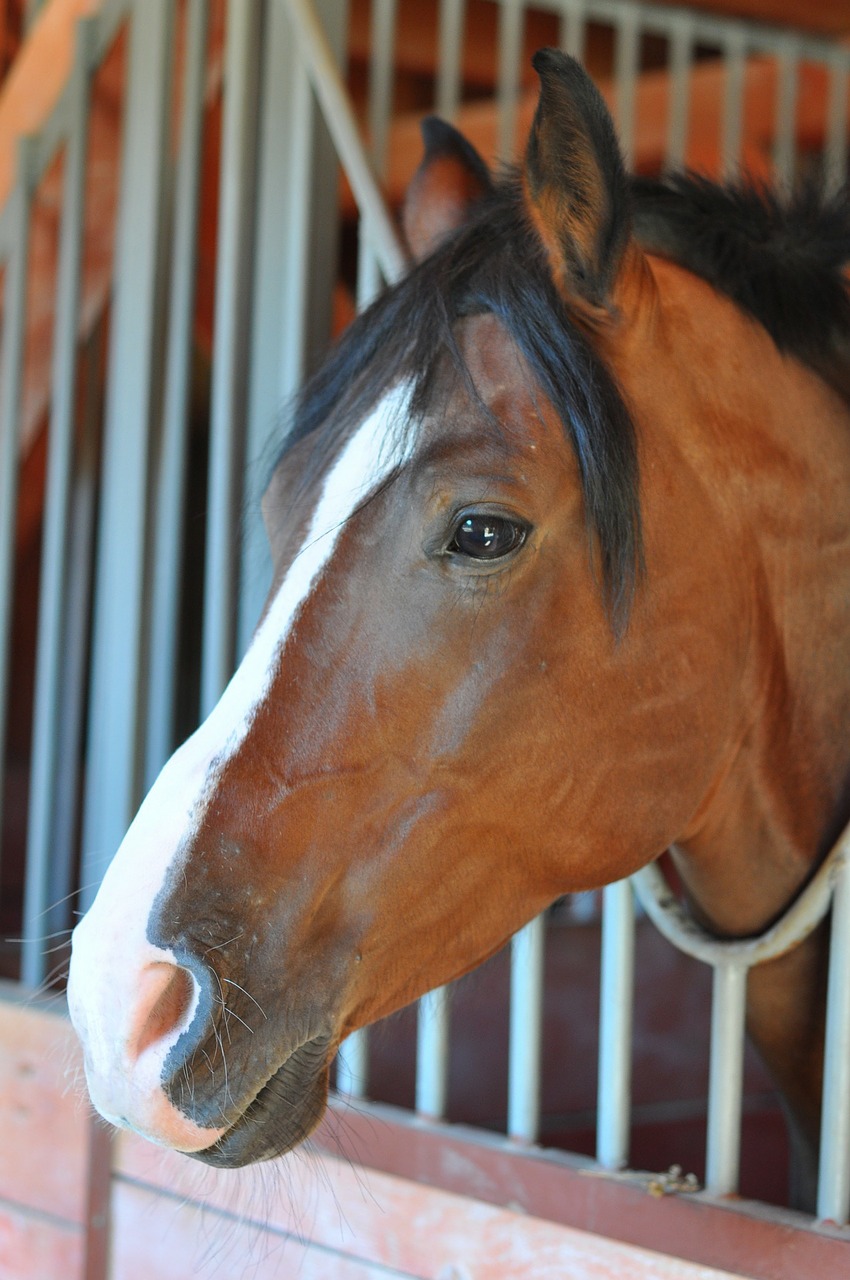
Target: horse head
(500, 660)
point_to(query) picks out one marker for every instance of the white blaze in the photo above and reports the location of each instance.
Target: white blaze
(110, 947)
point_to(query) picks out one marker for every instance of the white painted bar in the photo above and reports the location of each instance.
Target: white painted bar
(352, 1065)
(381, 76)
(573, 28)
(784, 151)
(726, 1075)
(52, 606)
(834, 1173)
(681, 56)
(331, 92)
(170, 480)
(11, 378)
(734, 53)
(113, 779)
(626, 67)
(615, 1026)
(449, 58)
(237, 189)
(526, 1031)
(432, 1053)
(511, 22)
(835, 149)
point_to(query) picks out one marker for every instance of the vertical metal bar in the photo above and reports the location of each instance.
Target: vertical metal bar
(725, 1083)
(11, 378)
(114, 760)
(681, 53)
(432, 1053)
(170, 481)
(615, 1025)
(52, 637)
(381, 68)
(449, 57)
(295, 255)
(231, 351)
(835, 149)
(784, 151)
(834, 1173)
(369, 279)
(72, 711)
(352, 1065)
(734, 54)
(573, 28)
(325, 76)
(511, 20)
(526, 1024)
(626, 65)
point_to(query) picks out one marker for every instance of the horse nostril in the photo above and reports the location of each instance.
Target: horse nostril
(167, 995)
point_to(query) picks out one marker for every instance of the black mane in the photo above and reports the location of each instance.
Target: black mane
(779, 260)
(496, 264)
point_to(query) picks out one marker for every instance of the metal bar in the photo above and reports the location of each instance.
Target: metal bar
(231, 353)
(38, 921)
(11, 379)
(726, 1074)
(295, 254)
(834, 1175)
(835, 148)
(170, 482)
(113, 781)
(626, 65)
(336, 106)
(432, 1053)
(526, 1028)
(615, 1026)
(511, 21)
(734, 54)
(784, 149)
(761, 37)
(573, 28)
(449, 57)
(369, 279)
(381, 69)
(75, 658)
(681, 54)
(352, 1065)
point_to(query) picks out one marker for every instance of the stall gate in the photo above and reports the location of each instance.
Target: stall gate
(232, 115)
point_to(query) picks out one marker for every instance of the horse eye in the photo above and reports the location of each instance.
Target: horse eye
(486, 537)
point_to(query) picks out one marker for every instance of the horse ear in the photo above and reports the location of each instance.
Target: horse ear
(574, 180)
(450, 179)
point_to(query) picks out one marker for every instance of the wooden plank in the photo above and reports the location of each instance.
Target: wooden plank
(37, 78)
(156, 1235)
(35, 1248)
(43, 1118)
(396, 1223)
(755, 1240)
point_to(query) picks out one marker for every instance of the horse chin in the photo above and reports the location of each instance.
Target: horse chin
(285, 1111)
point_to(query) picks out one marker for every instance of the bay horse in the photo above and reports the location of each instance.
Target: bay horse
(561, 538)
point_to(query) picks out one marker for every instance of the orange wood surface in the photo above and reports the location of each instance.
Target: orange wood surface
(43, 1119)
(34, 1248)
(376, 1219)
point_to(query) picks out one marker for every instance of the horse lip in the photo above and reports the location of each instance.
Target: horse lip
(276, 1120)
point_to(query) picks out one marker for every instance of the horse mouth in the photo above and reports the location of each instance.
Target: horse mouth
(285, 1111)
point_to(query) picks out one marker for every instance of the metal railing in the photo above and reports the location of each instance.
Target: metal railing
(286, 117)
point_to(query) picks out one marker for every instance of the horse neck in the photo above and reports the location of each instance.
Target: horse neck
(773, 445)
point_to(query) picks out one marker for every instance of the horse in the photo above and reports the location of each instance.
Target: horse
(561, 544)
